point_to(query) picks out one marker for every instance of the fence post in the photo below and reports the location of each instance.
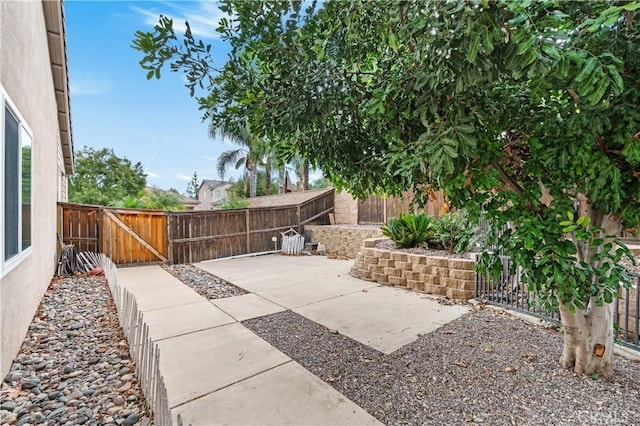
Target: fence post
(299, 220)
(101, 234)
(169, 240)
(190, 237)
(248, 227)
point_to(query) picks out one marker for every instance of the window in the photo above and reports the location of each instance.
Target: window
(15, 210)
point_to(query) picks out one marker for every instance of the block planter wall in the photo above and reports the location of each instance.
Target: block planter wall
(342, 240)
(442, 276)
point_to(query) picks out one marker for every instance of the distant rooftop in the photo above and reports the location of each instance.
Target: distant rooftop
(287, 199)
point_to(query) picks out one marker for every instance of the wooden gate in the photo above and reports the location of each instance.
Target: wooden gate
(134, 236)
(127, 236)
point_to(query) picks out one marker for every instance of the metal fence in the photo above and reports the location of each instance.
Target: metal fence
(507, 291)
(627, 313)
(143, 350)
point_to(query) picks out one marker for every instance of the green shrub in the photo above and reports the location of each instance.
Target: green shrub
(409, 229)
(234, 202)
(453, 232)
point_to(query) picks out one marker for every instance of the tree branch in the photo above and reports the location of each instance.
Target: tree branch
(507, 180)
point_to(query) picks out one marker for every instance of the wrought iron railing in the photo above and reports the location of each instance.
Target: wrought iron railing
(507, 291)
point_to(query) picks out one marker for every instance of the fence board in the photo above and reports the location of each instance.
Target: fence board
(371, 210)
(79, 226)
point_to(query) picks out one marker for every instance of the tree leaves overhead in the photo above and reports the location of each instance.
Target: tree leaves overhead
(514, 108)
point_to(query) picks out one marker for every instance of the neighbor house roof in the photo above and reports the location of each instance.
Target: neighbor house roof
(213, 184)
(286, 199)
(56, 38)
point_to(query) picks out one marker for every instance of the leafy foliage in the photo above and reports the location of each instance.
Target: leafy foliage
(155, 199)
(454, 232)
(408, 229)
(451, 231)
(102, 178)
(234, 202)
(521, 111)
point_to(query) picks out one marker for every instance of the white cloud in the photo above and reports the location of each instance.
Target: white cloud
(152, 175)
(182, 176)
(209, 158)
(82, 86)
(203, 18)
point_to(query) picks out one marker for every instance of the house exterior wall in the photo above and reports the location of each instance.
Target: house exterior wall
(63, 189)
(209, 197)
(25, 76)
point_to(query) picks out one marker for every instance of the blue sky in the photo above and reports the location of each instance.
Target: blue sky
(113, 105)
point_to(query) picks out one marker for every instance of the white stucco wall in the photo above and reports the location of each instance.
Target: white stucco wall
(25, 75)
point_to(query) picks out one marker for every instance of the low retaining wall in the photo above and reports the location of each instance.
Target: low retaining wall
(442, 276)
(342, 240)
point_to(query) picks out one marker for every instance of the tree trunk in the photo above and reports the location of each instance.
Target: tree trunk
(253, 182)
(305, 175)
(589, 334)
(267, 177)
(588, 339)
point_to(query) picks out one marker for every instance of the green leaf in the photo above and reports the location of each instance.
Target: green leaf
(615, 76)
(551, 50)
(586, 70)
(393, 42)
(631, 6)
(583, 221)
(472, 53)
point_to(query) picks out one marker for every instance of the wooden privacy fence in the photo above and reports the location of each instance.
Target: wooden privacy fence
(377, 209)
(131, 236)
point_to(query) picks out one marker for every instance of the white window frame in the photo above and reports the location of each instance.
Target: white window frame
(7, 266)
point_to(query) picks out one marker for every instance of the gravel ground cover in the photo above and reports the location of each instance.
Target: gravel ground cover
(486, 367)
(630, 265)
(74, 365)
(202, 282)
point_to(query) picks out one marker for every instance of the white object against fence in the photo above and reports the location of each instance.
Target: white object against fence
(292, 242)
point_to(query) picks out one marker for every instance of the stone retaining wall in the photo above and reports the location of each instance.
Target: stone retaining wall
(443, 276)
(341, 240)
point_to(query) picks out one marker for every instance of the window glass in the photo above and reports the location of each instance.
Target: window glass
(25, 142)
(11, 184)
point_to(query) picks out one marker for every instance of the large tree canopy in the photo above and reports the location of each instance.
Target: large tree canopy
(527, 113)
(103, 178)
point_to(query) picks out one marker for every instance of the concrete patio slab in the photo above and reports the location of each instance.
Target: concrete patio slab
(286, 395)
(313, 291)
(196, 364)
(270, 271)
(384, 318)
(247, 306)
(183, 319)
(146, 278)
(166, 297)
